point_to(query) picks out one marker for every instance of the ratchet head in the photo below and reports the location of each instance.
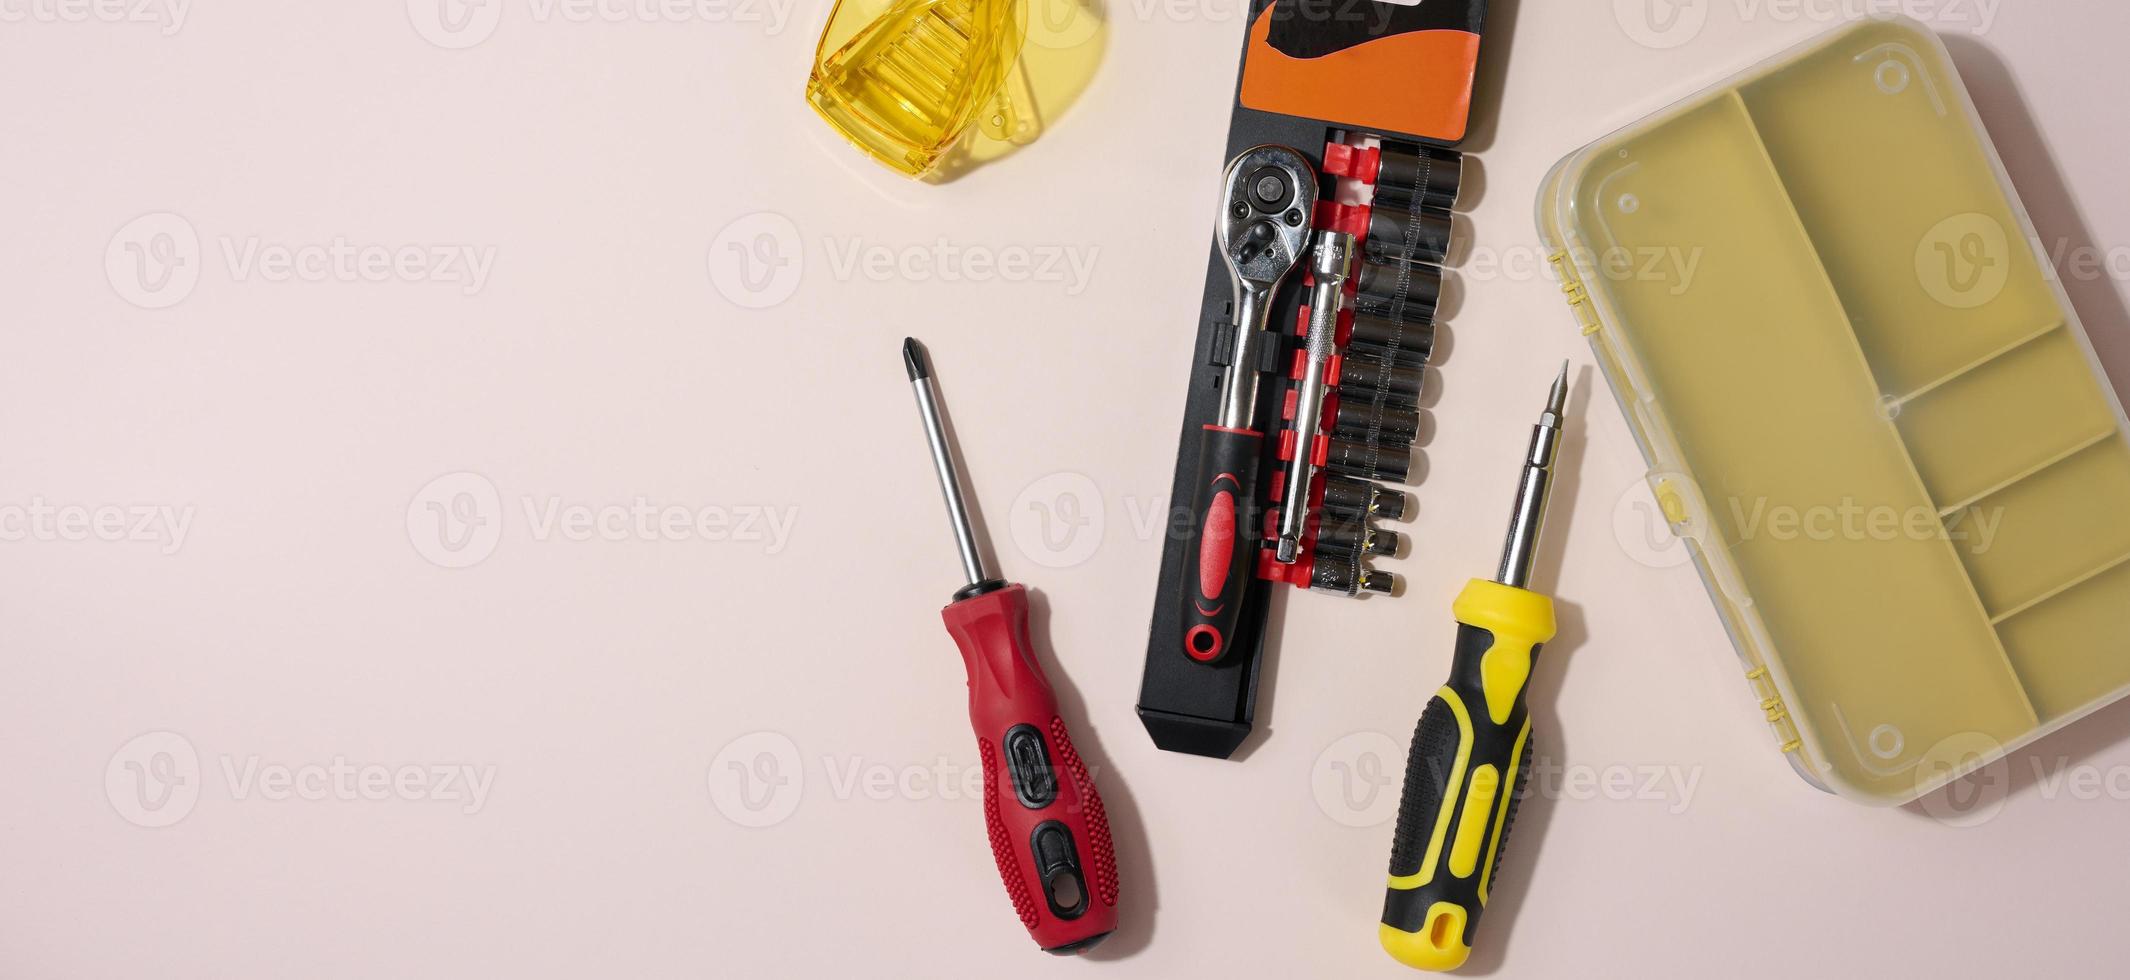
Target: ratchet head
(1268, 198)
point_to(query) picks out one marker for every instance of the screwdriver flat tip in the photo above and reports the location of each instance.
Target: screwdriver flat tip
(913, 359)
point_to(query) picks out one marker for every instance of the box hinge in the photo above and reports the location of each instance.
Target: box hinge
(1771, 705)
(1578, 297)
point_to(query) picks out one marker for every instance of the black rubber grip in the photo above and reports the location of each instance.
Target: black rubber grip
(1426, 773)
(1221, 560)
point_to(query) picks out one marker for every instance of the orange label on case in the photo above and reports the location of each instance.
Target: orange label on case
(1414, 82)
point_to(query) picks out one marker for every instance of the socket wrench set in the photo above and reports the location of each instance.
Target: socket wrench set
(1316, 331)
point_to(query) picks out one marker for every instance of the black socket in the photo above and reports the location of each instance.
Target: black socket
(1398, 234)
(1376, 380)
(1387, 423)
(1360, 498)
(1411, 344)
(1335, 572)
(1357, 536)
(1398, 289)
(1343, 574)
(1407, 171)
(1370, 461)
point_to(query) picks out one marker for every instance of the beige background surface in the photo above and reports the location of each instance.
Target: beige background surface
(622, 742)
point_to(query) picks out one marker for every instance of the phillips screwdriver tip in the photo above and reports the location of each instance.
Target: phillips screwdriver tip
(913, 358)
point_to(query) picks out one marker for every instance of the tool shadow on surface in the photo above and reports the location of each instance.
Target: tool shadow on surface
(1267, 681)
(1549, 678)
(1493, 75)
(1064, 47)
(1135, 859)
(2049, 201)
(2097, 299)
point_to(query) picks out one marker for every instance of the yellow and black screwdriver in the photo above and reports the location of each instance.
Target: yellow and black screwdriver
(1472, 750)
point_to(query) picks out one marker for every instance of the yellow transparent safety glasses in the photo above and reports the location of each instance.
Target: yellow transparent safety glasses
(903, 83)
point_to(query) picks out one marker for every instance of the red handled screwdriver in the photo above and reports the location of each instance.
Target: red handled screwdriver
(1048, 831)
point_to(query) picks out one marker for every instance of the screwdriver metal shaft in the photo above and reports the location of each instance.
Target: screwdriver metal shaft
(935, 433)
(1529, 516)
